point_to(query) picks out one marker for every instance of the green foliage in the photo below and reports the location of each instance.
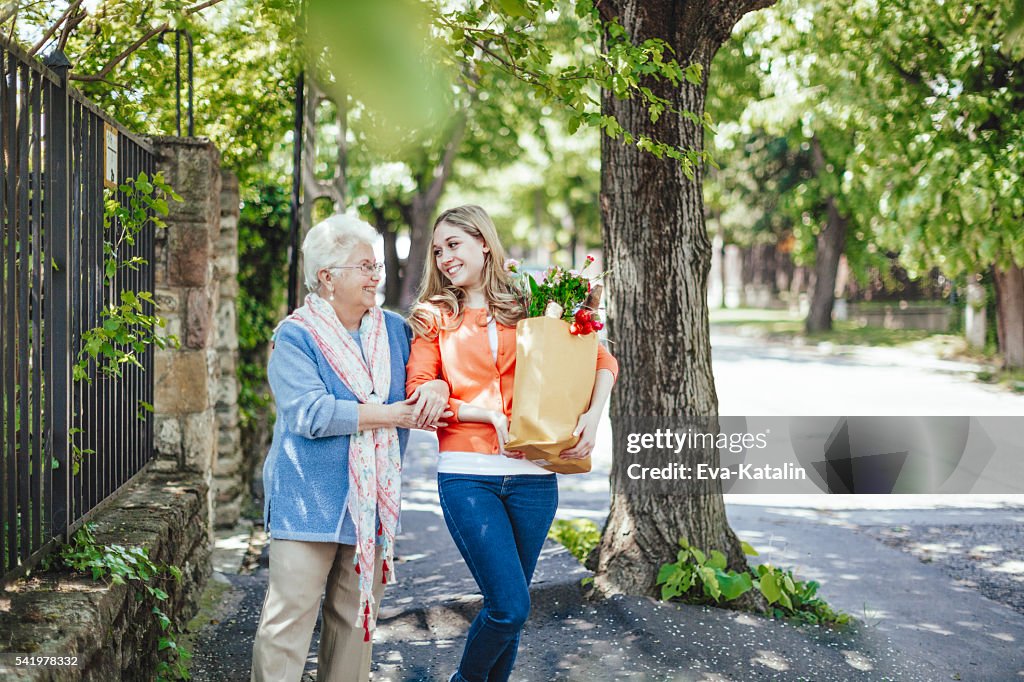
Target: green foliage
(579, 536)
(698, 577)
(784, 143)
(490, 37)
(941, 145)
(262, 271)
(380, 54)
(918, 128)
(796, 599)
(126, 329)
(520, 74)
(132, 566)
(693, 569)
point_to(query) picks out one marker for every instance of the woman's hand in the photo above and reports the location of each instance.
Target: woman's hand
(500, 422)
(404, 415)
(431, 401)
(586, 429)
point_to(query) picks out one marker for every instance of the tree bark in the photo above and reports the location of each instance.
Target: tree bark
(831, 242)
(656, 240)
(1009, 285)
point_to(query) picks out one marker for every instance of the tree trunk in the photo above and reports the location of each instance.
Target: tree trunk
(761, 288)
(721, 256)
(570, 227)
(656, 241)
(392, 264)
(831, 241)
(783, 272)
(746, 277)
(1009, 285)
(417, 216)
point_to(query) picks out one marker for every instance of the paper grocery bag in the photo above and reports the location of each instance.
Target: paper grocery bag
(554, 380)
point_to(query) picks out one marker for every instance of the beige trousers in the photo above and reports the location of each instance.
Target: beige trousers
(299, 574)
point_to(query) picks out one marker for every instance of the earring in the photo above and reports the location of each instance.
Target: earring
(331, 297)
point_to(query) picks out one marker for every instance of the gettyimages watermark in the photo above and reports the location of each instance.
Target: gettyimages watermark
(813, 455)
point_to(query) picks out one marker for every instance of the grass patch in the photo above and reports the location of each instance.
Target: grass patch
(782, 325)
(852, 334)
(579, 536)
(1013, 379)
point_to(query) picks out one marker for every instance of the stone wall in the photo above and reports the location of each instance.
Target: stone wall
(113, 635)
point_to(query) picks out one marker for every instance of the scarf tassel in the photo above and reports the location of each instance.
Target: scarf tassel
(366, 622)
(384, 573)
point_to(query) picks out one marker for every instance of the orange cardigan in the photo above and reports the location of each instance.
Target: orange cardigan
(462, 357)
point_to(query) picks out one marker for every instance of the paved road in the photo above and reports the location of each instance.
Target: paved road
(756, 377)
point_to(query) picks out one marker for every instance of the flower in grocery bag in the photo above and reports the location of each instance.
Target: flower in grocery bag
(569, 289)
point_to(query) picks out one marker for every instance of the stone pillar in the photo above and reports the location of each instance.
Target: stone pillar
(840, 310)
(227, 471)
(974, 320)
(187, 294)
(716, 291)
(733, 265)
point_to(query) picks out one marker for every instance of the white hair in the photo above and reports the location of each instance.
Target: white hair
(329, 243)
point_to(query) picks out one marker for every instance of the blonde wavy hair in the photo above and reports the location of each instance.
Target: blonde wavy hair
(440, 305)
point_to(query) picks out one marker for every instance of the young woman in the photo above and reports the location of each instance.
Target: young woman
(498, 506)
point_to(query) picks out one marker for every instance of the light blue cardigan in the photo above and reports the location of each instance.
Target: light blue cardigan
(305, 476)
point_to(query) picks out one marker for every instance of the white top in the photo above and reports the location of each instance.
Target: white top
(455, 462)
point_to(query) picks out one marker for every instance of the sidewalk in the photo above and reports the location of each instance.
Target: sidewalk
(915, 580)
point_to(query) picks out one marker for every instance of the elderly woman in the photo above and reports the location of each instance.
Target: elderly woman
(333, 473)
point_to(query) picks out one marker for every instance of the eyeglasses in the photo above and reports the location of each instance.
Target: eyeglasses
(369, 269)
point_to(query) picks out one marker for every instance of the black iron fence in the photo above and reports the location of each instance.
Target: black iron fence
(68, 445)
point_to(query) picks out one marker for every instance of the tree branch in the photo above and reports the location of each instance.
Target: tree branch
(69, 28)
(102, 73)
(444, 170)
(49, 32)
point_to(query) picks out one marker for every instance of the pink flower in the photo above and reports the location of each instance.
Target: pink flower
(512, 265)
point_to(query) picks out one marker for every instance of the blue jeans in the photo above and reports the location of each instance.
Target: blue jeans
(499, 524)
